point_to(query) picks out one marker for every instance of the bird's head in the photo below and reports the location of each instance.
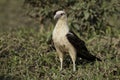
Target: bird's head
(60, 15)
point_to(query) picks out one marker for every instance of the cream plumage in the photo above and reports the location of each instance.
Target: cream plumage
(66, 41)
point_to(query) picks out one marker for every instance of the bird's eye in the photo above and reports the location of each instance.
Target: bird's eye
(62, 13)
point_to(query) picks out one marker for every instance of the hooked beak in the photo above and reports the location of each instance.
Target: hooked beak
(56, 16)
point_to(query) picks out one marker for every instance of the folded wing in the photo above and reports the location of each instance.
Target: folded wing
(80, 47)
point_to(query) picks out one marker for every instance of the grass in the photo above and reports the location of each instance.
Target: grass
(25, 55)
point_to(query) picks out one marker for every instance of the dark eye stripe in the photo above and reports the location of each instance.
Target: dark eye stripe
(62, 13)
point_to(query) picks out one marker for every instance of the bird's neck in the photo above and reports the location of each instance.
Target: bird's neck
(62, 25)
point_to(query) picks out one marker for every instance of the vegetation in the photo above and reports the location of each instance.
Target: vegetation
(84, 16)
(25, 54)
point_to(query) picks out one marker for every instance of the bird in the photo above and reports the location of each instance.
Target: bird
(66, 41)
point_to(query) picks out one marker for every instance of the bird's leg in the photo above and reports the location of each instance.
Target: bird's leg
(73, 57)
(61, 64)
(60, 54)
(74, 66)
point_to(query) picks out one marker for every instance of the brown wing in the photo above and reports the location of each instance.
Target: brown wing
(80, 47)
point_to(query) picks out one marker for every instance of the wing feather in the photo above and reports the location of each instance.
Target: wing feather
(80, 47)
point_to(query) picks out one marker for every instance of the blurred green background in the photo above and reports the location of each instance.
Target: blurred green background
(26, 50)
(12, 15)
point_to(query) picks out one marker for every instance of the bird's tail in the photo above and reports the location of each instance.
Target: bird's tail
(93, 58)
(89, 57)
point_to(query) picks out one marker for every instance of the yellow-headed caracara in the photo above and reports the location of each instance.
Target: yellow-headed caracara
(67, 41)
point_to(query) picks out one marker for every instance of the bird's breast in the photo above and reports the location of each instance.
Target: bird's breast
(61, 44)
(59, 36)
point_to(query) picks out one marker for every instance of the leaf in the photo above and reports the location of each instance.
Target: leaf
(86, 14)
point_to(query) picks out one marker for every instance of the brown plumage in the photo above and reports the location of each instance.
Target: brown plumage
(80, 47)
